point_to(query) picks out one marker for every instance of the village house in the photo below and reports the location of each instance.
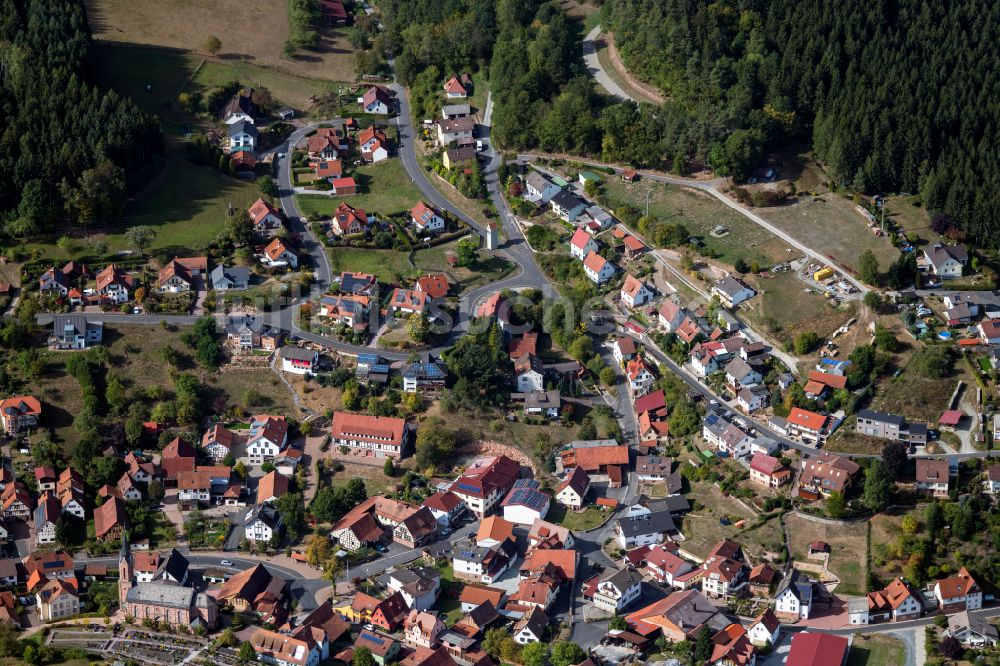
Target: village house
(960, 592)
(113, 284)
(58, 599)
(241, 108)
(19, 414)
(445, 507)
(634, 292)
(408, 302)
(327, 170)
(678, 616)
(765, 628)
(277, 255)
(827, 473)
(525, 503)
(230, 278)
(434, 285)
(424, 376)
(298, 360)
(261, 523)
(753, 398)
(218, 442)
(75, 331)
(110, 520)
(376, 100)
(807, 426)
(349, 310)
(474, 595)
(572, 490)
(425, 219)
(455, 130)
(581, 244)
(732, 291)
(539, 189)
(947, 261)
(529, 373)
(419, 586)
(890, 426)
(617, 590)
(481, 564)
(47, 514)
(973, 632)
(640, 378)
(932, 477)
(242, 136)
(794, 597)
(644, 528)
(485, 482)
(453, 158)
(373, 144)
(349, 221)
(421, 629)
(897, 602)
(623, 349)
(531, 627)
(768, 471)
(449, 111)
(546, 404)
(371, 436)
(264, 215)
(455, 89)
(267, 437)
(567, 206)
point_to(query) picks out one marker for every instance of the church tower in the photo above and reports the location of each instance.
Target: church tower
(125, 570)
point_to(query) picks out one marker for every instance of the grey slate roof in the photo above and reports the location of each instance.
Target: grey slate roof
(623, 579)
(649, 523)
(175, 566)
(881, 417)
(165, 594)
(78, 322)
(238, 274)
(568, 200)
(297, 353)
(266, 513)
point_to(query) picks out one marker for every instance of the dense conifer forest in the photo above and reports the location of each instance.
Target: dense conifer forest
(66, 148)
(893, 95)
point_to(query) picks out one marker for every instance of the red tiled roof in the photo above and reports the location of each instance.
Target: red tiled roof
(827, 379)
(361, 426)
(594, 262)
(817, 649)
(806, 419)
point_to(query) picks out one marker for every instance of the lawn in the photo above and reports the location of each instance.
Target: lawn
(701, 527)
(701, 213)
(846, 440)
(785, 309)
(383, 190)
(188, 209)
(847, 556)
(394, 267)
(252, 31)
(129, 69)
(830, 225)
(286, 88)
(62, 399)
(763, 540)
(576, 522)
(875, 650)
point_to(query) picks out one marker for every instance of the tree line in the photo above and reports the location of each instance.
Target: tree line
(892, 96)
(67, 149)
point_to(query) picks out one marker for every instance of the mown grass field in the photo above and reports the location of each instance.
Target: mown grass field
(384, 188)
(188, 208)
(290, 89)
(129, 69)
(701, 213)
(250, 30)
(395, 267)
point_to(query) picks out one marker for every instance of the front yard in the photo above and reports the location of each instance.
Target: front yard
(585, 520)
(383, 188)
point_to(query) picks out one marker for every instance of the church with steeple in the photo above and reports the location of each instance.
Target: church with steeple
(165, 598)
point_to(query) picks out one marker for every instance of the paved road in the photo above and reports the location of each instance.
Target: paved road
(596, 70)
(763, 428)
(713, 187)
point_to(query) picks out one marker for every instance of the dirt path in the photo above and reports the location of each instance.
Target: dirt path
(647, 91)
